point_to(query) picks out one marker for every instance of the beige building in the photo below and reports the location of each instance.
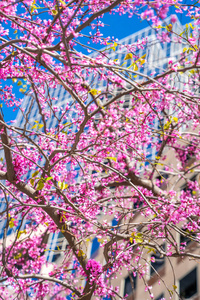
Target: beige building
(167, 277)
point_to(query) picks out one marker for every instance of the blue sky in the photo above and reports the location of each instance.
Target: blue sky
(115, 26)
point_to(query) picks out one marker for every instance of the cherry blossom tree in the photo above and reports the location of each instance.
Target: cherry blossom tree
(93, 164)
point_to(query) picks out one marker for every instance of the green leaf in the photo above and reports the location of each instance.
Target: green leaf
(48, 178)
(167, 125)
(113, 48)
(159, 26)
(143, 56)
(128, 56)
(130, 66)
(113, 158)
(20, 233)
(11, 223)
(40, 185)
(142, 61)
(32, 181)
(35, 173)
(191, 26)
(192, 72)
(18, 256)
(61, 1)
(19, 83)
(94, 92)
(182, 33)
(138, 238)
(62, 185)
(175, 119)
(150, 250)
(135, 67)
(81, 253)
(54, 12)
(169, 27)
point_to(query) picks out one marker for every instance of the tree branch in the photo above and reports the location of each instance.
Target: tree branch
(43, 277)
(7, 151)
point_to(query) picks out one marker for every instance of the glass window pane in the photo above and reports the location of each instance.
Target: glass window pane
(188, 285)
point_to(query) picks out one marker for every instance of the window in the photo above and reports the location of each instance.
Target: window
(185, 239)
(95, 247)
(163, 180)
(160, 297)
(115, 224)
(158, 261)
(97, 118)
(137, 204)
(57, 246)
(130, 284)
(187, 154)
(168, 51)
(188, 285)
(186, 187)
(190, 152)
(127, 101)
